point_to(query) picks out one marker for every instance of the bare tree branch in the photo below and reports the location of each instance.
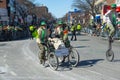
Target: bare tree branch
(86, 5)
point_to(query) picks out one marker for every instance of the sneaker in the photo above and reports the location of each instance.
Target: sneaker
(46, 65)
(75, 39)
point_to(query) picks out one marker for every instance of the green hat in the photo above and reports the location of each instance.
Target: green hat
(43, 23)
(113, 5)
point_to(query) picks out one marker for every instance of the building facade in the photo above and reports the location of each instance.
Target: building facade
(4, 11)
(3, 4)
(118, 2)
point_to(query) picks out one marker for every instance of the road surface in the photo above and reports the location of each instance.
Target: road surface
(19, 61)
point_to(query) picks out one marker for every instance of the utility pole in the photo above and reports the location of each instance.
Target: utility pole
(8, 8)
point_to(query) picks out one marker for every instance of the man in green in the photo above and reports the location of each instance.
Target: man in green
(41, 40)
(73, 31)
(111, 21)
(59, 30)
(62, 33)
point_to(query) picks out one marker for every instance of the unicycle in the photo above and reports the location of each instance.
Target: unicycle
(109, 52)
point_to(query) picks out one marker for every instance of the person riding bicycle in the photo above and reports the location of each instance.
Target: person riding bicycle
(59, 30)
(41, 40)
(110, 20)
(62, 33)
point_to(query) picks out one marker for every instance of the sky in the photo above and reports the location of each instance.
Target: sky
(57, 7)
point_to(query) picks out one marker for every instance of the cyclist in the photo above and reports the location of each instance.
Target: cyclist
(61, 32)
(41, 40)
(65, 36)
(118, 25)
(110, 19)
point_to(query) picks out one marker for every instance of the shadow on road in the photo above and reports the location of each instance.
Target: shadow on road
(82, 34)
(15, 40)
(84, 40)
(117, 60)
(88, 63)
(2, 44)
(80, 46)
(65, 67)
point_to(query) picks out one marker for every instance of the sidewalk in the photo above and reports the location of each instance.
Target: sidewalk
(104, 38)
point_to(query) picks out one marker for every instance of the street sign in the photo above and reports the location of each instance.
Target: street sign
(75, 10)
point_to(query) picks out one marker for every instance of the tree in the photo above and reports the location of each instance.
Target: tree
(87, 6)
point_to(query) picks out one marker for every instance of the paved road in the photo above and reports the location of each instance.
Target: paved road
(19, 61)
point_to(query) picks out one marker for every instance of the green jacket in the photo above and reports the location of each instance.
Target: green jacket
(79, 27)
(73, 28)
(35, 34)
(42, 35)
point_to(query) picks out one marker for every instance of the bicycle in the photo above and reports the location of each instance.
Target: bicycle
(49, 52)
(70, 53)
(54, 55)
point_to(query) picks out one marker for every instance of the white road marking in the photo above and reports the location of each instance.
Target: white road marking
(5, 56)
(68, 75)
(34, 78)
(97, 73)
(3, 70)
(13, 73)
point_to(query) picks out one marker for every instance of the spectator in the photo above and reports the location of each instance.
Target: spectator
(73, 31)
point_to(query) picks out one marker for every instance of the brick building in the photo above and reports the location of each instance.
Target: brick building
(41, 12)
(109, 2)
(3, 4)
(77, 17)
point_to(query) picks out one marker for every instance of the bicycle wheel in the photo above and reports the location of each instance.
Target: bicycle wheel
(74, 57)
(53, 61)
(109, 55)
